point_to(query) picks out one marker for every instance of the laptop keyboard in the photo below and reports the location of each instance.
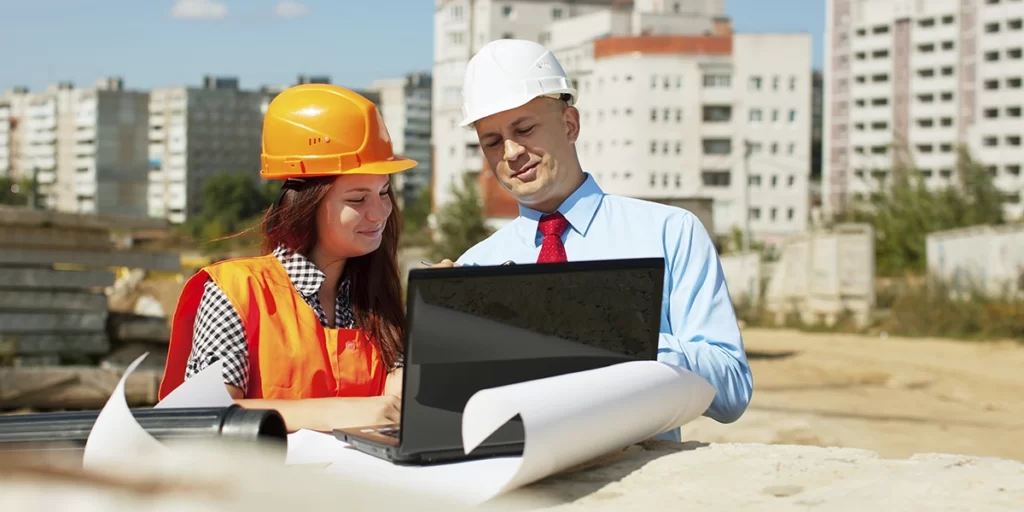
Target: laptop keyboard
(389, 431)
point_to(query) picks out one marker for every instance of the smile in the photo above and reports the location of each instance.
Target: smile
(525, 170)
(373, 233)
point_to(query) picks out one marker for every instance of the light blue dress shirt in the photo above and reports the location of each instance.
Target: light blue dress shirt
(699, 331)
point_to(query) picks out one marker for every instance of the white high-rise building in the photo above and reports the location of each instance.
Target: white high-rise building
(910, 81)
(5, 138)
(669, 100)
(196, 133)
(405, 106)
(86, 148)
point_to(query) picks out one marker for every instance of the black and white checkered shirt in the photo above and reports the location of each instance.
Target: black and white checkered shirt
(218, 333)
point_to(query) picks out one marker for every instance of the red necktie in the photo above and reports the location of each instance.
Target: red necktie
(551, 249)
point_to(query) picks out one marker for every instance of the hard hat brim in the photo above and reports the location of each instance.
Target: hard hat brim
(514, 103)
(392, 165)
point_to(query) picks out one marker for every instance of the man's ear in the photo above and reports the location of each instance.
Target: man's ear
(571, 117)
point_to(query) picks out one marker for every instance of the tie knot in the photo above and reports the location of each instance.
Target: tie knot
(552, 224)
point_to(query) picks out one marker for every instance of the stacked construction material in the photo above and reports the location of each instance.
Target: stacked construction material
(54, 270)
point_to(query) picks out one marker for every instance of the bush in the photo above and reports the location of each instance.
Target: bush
(934, 310)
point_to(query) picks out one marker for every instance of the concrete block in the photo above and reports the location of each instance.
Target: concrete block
(54, 237)
(97, 259)
(51, 300)
(54, 343)
(54, 279)
(15, 216)
(126, 327)
(26, 323)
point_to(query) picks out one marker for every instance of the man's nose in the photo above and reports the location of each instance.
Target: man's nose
(513, 150)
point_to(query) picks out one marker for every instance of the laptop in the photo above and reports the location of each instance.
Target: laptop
(473, 328)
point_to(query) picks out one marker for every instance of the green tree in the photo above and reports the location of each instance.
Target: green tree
(460, 222)
(415, 231)
(232, 202)
(904, 215)
(15, 193)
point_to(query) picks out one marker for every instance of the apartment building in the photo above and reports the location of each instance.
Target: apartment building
(5, 138)
(405, 104)
(196, 133)
(674, 105)
(84, 147)
(910, 81)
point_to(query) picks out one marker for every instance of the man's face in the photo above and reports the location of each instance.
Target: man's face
(530, 150)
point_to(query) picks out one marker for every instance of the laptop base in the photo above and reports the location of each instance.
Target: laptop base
(370, 442)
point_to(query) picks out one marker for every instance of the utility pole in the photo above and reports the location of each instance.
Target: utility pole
(747, 150)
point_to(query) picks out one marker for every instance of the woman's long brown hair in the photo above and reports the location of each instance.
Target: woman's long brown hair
(376, 287)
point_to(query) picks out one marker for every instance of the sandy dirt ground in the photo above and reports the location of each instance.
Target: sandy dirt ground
(895, 396)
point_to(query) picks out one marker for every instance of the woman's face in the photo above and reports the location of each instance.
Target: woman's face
(352, 216)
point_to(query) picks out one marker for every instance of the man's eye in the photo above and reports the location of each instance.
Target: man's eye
(524, 131)
(492, 144)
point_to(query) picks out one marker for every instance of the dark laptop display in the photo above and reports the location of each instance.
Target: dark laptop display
(472, 328)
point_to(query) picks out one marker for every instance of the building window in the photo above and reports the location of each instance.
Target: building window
(679, 115)
(775, 83)
(654, 115)
(755, 83)
(755, 115)
(456, 38)
(456, 13)
(717, 113)
(791, 181)
(755, 213)
(717, 146)
(506, 11)
(717, 81)
(508, 35)
(792, 115)
(716, 178)
(556, 13)
(790, 214)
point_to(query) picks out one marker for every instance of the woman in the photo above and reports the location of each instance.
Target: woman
(314, 327)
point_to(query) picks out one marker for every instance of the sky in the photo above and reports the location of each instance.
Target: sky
(164, 43)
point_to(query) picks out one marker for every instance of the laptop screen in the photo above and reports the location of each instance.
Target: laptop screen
(472, 328)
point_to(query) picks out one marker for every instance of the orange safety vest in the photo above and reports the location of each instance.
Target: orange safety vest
(291, 355)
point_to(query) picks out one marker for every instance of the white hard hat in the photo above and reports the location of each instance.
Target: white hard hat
(509, 73)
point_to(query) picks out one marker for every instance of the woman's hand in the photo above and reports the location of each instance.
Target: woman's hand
(393, 385)
(363, 411)
(327, 414)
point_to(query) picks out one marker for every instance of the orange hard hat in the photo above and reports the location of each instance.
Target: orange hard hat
(315, 130)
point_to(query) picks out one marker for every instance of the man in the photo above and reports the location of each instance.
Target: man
(520, 102)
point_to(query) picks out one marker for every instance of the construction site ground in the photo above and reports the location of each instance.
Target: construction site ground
(896, 396)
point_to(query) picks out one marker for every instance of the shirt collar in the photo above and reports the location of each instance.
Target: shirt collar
(579, 209)
(303, 274)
